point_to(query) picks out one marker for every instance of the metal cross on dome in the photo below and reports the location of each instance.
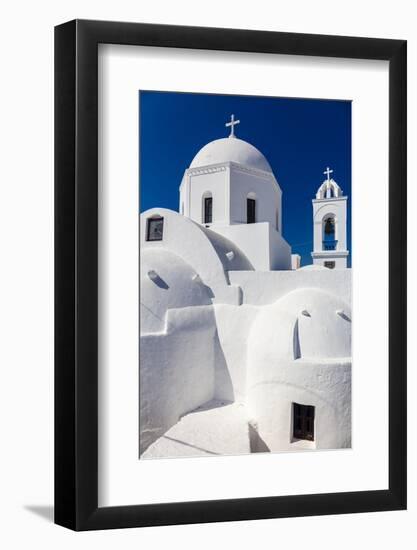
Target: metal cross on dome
(232, 125)
(327, 173)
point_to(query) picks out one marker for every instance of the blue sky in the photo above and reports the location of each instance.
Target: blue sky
(299, 138)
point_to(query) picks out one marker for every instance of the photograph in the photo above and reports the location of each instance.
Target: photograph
(245, 257)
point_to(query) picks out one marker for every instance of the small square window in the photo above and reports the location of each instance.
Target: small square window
(330, 265)
(155, 229)
(303, 421)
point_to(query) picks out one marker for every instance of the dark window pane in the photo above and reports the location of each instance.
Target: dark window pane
(303, 421)
(208, 210)
(155, 229)
(250, 210)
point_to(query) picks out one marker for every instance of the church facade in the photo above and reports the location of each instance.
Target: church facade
(241, 349)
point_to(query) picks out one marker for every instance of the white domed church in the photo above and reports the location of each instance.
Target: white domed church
(241, 349)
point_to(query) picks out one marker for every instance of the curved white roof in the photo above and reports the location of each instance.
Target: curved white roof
(306, 323)
(232, 258)
(231, 149)
(166, 282)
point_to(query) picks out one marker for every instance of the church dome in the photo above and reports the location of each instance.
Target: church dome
(231, 149)
(167, 282)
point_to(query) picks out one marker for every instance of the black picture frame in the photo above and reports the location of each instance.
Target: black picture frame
(76, 271)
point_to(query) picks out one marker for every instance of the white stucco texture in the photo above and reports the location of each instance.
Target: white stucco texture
(166, 282)
(299, 352)
(230, 150)
(198, 434)
(327, 387)
(312, 324)
(176, 370)
(265, 287)
(233, 326)
(263, 245)
(206, 252)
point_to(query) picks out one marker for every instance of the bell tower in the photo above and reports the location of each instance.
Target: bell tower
(329, 225)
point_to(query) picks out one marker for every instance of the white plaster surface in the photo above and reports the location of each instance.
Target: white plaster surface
(295, 261)
(265, 287)
(215, 428)
(200, 250)
(299, 352)
(166, 282)
(176, 370)
(263, 187)
(231, 149)
(265, 247)
(233, 326)
(326, 386)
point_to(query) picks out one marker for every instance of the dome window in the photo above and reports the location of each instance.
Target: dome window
(155, 229)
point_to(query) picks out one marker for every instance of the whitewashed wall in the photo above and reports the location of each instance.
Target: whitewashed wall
(176, 370)
(166, 282)
(261, 243)
(299, 352)
(199, 182)
(189, 241)
(260, 288)
(262, 187)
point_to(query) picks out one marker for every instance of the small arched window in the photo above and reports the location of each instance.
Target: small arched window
(329, 229)
(207, 208)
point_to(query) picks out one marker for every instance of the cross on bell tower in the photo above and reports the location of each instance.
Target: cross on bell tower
(327, 173)
(232, 125)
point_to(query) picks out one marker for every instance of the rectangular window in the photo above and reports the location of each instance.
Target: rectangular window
(155, 229)
(303, 421)
(250, 210)
(208, 210)
(330, 265)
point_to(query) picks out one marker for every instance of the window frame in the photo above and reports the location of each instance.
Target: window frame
(306, 414)
(208, 200)
(148, 228)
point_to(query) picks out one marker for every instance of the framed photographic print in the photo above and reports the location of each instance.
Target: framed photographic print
(230, 275)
